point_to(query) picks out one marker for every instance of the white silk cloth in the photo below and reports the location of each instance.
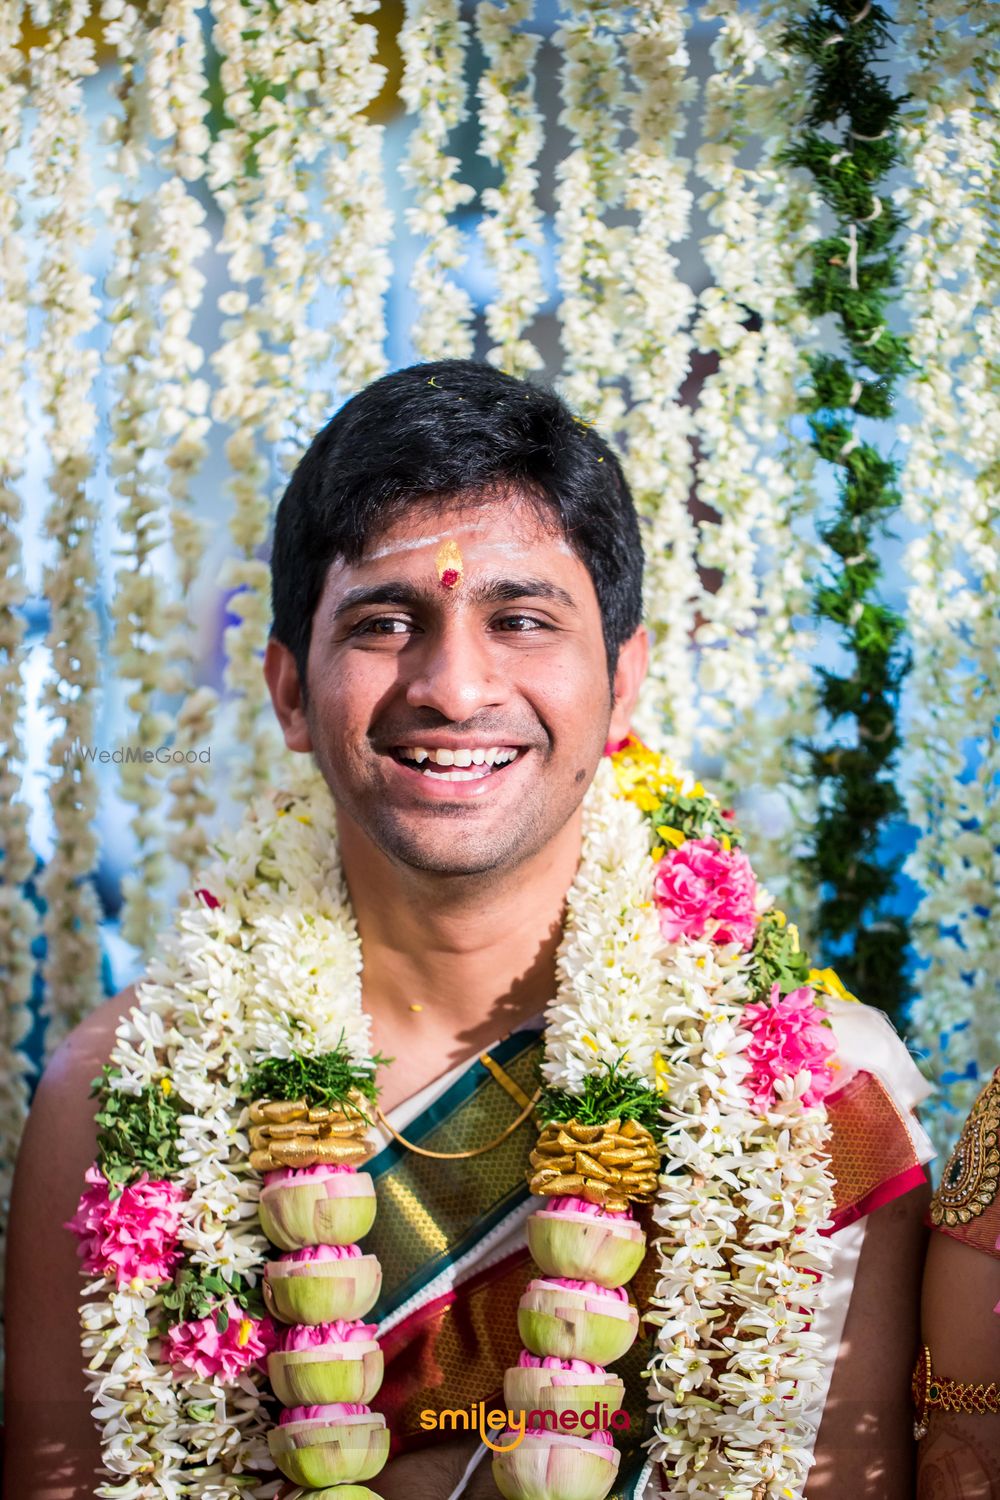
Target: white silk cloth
(866, 1041)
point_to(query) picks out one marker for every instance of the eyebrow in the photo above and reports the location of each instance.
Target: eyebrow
(482, 591)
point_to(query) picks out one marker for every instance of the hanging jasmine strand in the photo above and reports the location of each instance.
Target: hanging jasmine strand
(511, 227)
(853, 277)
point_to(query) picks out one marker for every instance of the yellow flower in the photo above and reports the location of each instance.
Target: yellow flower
(671, 835)
(246, 1328)
(658, 851)
(793, 933)
(166, 1085)
(828, 981)
(589, 1042)
(662, 1070)
(779, 917)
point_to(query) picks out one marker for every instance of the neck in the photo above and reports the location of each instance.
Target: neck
(475, 954)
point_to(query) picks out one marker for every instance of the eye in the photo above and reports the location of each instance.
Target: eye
(521, 621)
(375, 625)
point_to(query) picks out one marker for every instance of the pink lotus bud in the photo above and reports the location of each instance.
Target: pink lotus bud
(320, 1205)
(555, 1466)
(576, 1320)
(335, 1492)
(321, 1284)
(324, 1363)
(607, 1248)
(329, 1444)
(548, 1384)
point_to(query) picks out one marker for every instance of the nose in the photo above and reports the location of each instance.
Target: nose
(455, 672)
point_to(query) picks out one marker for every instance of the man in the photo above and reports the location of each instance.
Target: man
(456, 571)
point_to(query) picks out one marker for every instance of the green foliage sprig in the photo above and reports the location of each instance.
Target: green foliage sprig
(200, 1292)
(849, 145)
(136, 1133)
(614, 1094)
(321, 1081)
(776, 957)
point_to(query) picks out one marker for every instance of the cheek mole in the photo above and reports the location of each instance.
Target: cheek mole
(579, 775)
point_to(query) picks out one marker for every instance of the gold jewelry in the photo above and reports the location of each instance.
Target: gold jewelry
(932, 1393)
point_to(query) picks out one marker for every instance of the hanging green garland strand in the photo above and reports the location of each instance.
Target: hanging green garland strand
(849, 145)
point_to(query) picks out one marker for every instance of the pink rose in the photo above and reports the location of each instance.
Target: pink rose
(787, 1037)
(212, 1355)
(133, 1235)
(701, 883)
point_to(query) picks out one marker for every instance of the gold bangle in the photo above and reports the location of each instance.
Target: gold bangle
(932, 1393)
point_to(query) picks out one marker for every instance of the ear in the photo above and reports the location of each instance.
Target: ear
(282, 677)
(633, 659)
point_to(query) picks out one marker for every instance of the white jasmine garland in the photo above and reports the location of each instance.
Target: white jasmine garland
(593, 257)
(65, 371)
(139, 603)
(754, 643)
(511, 228)
(258, 174)
(175, 87)
(658, 458)
(356, 260)
(275, 967)
(949, 492)
(433, 40)
(18, 918)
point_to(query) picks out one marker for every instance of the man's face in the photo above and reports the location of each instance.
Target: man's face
(458, 723)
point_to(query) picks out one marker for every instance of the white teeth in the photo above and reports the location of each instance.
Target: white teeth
(490, 756)
(496, 756)
(456, 775)
(478, 757)
(443, 757)
(419, 756)
(462, 758)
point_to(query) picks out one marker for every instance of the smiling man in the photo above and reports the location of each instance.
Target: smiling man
(457, 588)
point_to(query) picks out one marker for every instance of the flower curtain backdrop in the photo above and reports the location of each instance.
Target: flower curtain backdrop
(200, 262)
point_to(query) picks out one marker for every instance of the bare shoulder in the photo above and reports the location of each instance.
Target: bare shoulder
(51, 1447)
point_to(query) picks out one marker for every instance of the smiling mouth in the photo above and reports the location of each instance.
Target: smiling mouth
(457, 765)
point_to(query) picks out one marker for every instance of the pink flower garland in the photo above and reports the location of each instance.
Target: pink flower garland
(788, 1037)
(131, 1236)
(701, 883)
(200, 1346)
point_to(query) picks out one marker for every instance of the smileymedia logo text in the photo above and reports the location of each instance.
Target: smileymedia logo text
(129, 755)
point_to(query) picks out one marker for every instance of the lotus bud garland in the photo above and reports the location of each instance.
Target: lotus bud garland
(571, 1237)
(556, 1466)
(322, 1284)
(576, 1320)
(335, 1492)
(607, 1164)
(544, 1383)
(340, 1443)
(327, 1362)
(319, 1205)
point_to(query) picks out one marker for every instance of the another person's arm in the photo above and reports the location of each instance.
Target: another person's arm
(51, 1444)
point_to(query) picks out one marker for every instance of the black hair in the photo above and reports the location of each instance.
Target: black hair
(451, 429)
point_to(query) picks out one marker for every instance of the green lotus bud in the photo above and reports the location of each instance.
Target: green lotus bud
(576, 1320)
(322, 1284)
(335, 1492)
(589, 1245)
(316, 1206)
(562, 1385)
(340, 1443)
(326, 1373)
(555, 1466)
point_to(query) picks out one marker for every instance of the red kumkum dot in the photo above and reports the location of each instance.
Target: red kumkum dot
(449, 578)
(209, 900)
